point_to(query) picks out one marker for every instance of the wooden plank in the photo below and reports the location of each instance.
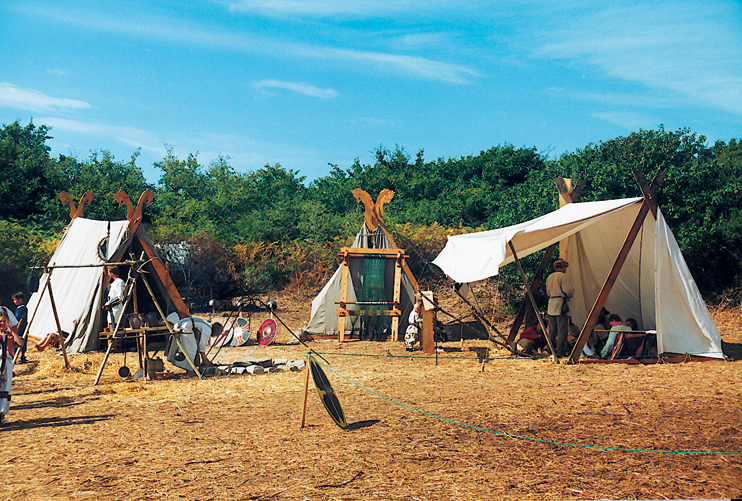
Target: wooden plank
(359, 252)
(164, 276)
(342, 313)
(397, 295)
(343, 297)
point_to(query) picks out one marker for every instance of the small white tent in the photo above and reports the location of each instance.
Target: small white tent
(654, 286)
(324, 319)
(79, 283)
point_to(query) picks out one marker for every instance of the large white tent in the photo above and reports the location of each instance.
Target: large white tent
(78, 281)
(654, 286)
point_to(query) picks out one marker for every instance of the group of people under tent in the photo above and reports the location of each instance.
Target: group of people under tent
(562, 332)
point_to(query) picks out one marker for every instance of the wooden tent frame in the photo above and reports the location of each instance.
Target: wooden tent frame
(566, 196)
(374, 213)
(134, 216)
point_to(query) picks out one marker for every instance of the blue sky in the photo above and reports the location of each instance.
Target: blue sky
(307, 83)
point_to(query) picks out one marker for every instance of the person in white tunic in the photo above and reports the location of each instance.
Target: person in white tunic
(415, 322)
(115, 303)
(194, 336)
(9, 339)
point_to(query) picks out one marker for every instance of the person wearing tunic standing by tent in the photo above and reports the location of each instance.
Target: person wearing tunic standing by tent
(560, 290)
(412, 334)
(9, 338)
(115, 296)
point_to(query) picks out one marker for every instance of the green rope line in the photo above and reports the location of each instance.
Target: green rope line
(417, 357)
(519, 437)
(524, 359)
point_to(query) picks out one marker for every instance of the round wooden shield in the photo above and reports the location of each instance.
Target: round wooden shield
(267, 332)
(327, 395)
(244, 326)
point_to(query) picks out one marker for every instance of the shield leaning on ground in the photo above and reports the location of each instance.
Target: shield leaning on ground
(327, 394)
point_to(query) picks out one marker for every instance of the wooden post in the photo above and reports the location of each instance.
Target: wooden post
(343, 298)
(397, 296)
(427, 335)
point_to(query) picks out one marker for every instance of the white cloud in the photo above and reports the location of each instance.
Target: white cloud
(625, 119)
(185, 33)
(692, 49)
(324, 8)
(33, 100)
(130, 136)
(301, 88)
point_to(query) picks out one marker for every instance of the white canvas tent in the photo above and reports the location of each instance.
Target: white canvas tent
(79, 290)
(324, 319)
(654, 286)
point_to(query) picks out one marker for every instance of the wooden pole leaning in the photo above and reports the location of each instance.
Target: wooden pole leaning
(306, 393)
(62, 344)
(567, 195)
(534, 286)
(649, 204)
(175, 335)
(116, 330)
(533, 300)
(483, 319)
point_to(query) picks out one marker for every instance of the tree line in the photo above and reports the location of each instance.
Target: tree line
(269, 228)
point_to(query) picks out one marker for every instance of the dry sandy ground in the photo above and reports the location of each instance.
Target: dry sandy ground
(469, 424)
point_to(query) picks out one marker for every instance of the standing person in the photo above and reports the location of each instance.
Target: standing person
(9, 338)
(115, 303)
(414, 324)
(560, 290)
(21, 315)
